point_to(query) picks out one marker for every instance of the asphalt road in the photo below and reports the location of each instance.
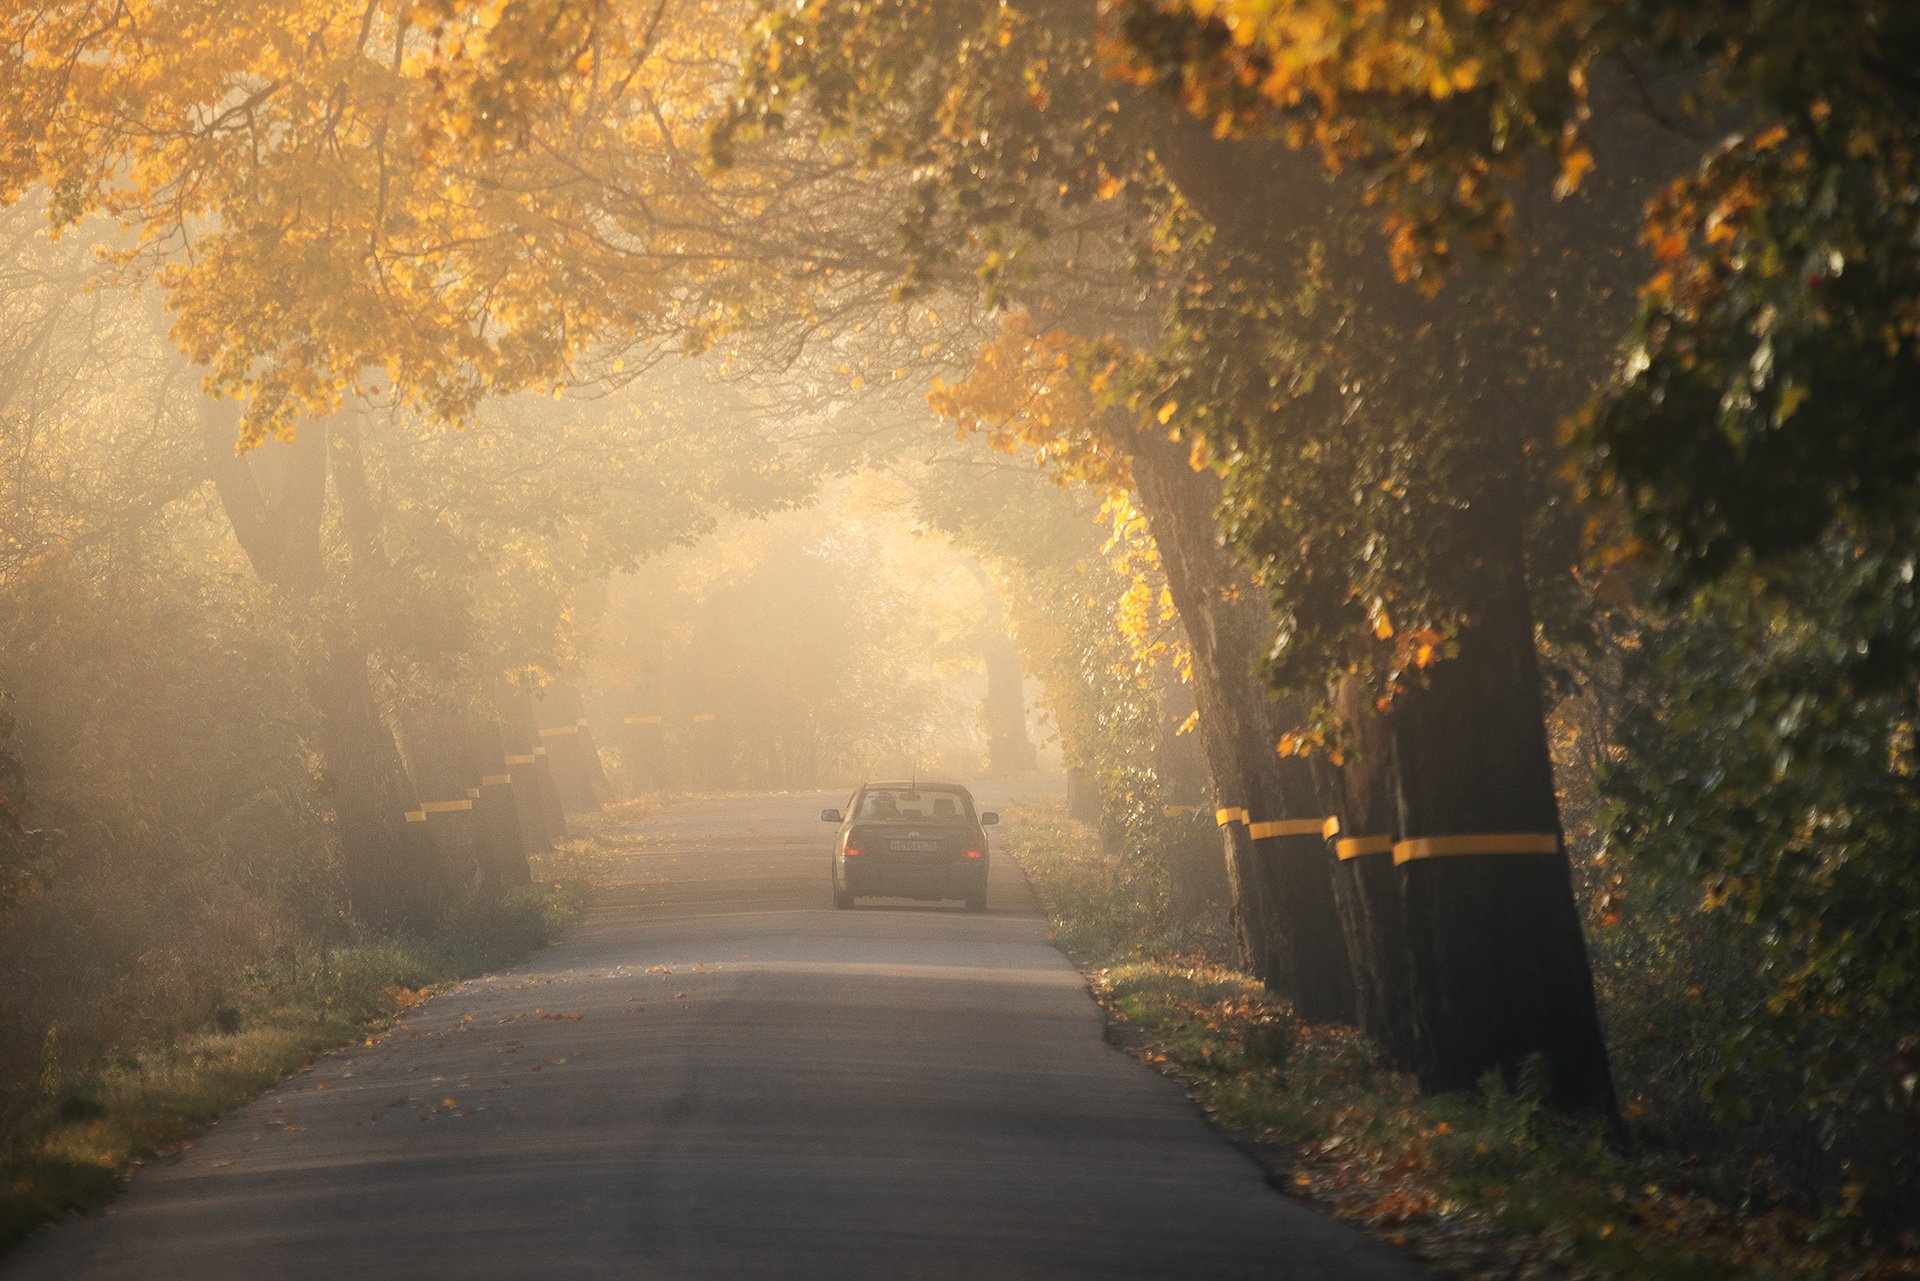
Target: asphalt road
(718, 1075)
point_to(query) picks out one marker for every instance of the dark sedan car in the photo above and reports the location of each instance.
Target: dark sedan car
(911, 840)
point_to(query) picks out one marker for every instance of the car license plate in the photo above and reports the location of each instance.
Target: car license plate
(915, 847)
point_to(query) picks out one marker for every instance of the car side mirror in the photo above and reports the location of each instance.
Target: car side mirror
(989, 818)
(829, 816)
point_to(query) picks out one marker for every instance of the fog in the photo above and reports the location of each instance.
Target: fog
(232, 674)
(1403, 516)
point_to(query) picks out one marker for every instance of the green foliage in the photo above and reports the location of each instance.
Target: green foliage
(1764, 403)
(1769, 761)
(1780, 349)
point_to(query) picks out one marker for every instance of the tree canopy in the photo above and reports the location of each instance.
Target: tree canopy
(1407, 370)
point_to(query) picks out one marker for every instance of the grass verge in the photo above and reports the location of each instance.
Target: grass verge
(88, 1130)
(1482, 1186)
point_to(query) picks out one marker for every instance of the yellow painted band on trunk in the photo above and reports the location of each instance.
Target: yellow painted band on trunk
(1286, 827)
(581, 723)
(1330, 828)
(416, 816)
(445, 807)
(704, 717)
(644, 720)
(559, 730)
(539, 751)
(1226, 816)
(519, 760)
(496, 780)
(1355, 846)
(1477, 843)
(473, 793)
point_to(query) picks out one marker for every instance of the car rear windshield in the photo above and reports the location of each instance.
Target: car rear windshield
(925, 804)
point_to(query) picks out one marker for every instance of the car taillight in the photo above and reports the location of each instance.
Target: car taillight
(974, 854)
(851, 852)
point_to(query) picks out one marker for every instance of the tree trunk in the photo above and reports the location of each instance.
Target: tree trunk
(389, 866)
(1294, 854)
(571, 751)
(446, 777)
(389, 860)
(517, 764)
(1498, 967)
(502, 839)
(1009, 750)
(1004, 710)
(1280, 880)
(540, 801)
(1083, 795)
(1499, 964)
(642, 750)
(1366, 884)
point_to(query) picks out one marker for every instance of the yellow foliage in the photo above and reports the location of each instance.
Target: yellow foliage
(459, 199)
(1025, 396)
(1320, 74)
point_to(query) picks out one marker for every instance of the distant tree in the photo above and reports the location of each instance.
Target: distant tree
(1029, 393)
(800, 649)
(26, 852)
(1025, 136)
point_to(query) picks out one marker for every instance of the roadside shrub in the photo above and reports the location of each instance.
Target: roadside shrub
(160, 732)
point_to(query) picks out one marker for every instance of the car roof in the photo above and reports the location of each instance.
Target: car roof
(919, 785)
